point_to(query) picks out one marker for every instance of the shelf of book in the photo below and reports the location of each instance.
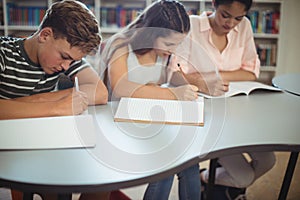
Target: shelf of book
(265, 15)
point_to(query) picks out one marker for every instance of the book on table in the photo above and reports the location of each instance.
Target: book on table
(160, 111)
(243, 87)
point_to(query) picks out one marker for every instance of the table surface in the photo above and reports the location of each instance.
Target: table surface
(129, 154)
(288, 82)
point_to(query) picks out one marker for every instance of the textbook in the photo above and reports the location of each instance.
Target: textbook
(160, 111)
(243, 87)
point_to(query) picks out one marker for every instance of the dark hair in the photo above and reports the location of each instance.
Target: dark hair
(160, 19)
(74, 21)
(247, 3)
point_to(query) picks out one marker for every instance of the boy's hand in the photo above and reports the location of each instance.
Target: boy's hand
(74, 103)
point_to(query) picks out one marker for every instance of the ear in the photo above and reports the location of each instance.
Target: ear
(45, 34)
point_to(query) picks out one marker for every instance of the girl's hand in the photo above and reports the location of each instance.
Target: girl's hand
(185, 92)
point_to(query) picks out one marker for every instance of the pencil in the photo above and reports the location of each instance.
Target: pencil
(183, 74)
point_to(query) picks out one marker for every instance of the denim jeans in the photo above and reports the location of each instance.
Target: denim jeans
(189, 186)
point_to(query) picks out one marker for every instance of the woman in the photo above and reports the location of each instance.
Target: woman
(227, 37)
(137, 60)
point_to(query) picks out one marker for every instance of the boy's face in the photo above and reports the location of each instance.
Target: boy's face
(55, 55)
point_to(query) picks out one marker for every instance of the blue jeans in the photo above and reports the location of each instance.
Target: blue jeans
(189, 186)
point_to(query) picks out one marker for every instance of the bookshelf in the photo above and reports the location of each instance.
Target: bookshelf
(21, 18)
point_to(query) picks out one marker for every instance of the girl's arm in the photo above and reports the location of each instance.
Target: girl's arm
(122, 87)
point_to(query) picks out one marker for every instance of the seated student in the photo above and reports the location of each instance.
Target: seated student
(30, 67)
(137, 59)
(227, 36)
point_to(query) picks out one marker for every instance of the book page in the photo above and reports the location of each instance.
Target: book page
(160, 111)
(243, 87)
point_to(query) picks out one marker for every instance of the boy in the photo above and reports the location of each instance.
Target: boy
(30, 67)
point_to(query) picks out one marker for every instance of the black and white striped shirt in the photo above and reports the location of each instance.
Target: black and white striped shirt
(20, 77)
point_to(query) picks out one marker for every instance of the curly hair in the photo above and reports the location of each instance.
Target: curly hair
(73, 21)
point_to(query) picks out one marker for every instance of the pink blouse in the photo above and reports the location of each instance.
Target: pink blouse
(202, 55)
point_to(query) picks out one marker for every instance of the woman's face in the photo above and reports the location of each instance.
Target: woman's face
(228, 16)
(165, 46)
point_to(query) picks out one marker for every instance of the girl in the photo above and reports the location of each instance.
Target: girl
(137, 60)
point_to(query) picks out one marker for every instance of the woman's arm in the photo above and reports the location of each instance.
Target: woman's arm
(238, 75)
(122, 87)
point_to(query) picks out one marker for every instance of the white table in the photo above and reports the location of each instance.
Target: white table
(289, 83)
(128, 154)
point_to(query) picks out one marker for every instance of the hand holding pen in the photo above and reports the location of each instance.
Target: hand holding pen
(80, 101)
(185, 92)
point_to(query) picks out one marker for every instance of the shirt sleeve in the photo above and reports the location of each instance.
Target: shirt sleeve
(250, 58)
(76, 67)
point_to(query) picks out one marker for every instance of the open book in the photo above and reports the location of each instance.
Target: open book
(243, 87)
(160, 111)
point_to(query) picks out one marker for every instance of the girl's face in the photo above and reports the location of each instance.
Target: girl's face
(165, 46)
(228, 16)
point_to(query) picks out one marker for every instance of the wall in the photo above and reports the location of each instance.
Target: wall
(289, 55)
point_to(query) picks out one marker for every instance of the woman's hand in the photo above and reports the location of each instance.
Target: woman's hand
(185, 92)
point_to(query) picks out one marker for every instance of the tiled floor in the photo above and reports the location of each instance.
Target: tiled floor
(265, 188)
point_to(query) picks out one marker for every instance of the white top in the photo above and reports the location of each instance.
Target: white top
(142, 74)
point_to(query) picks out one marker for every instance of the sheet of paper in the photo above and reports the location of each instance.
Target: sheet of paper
(48, 133)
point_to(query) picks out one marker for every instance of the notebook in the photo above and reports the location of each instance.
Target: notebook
(160, 111)
(48, 133)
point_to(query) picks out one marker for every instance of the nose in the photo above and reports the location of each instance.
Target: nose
(66, 64)
(230, 22)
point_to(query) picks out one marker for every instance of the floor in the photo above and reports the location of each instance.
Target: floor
(265, 188)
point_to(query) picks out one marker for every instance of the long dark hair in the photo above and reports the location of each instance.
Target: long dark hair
(159, 19)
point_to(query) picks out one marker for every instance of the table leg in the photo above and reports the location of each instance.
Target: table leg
(27, 196)
(288, 175)
(211, 179)
(64, 197)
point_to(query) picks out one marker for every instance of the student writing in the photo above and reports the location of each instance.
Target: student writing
(137, 60)
(30, 67)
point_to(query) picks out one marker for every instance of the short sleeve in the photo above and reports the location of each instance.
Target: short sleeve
(77, 66)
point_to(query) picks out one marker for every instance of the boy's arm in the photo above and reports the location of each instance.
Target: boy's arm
(72, 104)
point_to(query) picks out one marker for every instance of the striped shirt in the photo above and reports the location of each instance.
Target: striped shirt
(20, 77)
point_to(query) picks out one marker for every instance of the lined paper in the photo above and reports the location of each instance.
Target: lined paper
(160, 111)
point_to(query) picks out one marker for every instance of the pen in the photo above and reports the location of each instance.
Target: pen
(178, 65)
(77, 89)
(76, 83)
